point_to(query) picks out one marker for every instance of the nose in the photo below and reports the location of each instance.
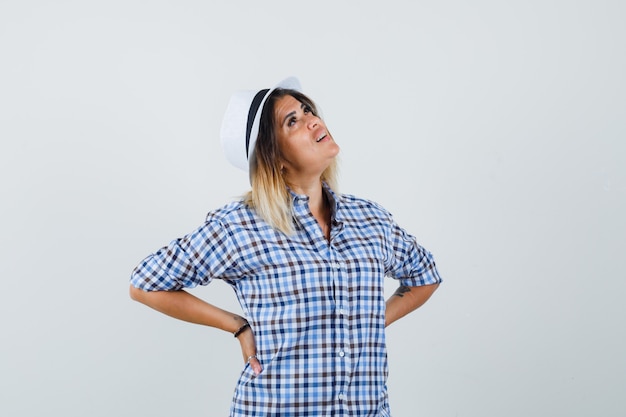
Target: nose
(313, 121)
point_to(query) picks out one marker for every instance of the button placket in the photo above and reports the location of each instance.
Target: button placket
(341, 318)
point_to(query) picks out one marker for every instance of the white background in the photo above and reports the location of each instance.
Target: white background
(494, 131)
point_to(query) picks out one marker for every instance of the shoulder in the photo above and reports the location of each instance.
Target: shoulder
(235, 218)
(351, 201)
(358, 206)
(234, 212)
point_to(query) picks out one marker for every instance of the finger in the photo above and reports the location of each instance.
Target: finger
(255, 365)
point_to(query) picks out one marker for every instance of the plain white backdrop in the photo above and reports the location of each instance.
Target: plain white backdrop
(494, 131)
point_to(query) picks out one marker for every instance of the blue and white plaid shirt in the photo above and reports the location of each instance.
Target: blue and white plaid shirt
(317, 308)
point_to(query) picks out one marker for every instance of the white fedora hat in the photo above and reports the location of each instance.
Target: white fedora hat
(240, 126)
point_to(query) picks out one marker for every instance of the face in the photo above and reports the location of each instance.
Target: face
(306, 146)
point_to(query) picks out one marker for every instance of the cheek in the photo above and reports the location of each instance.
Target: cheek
(292, 147)
(290, 153)
(283, 147)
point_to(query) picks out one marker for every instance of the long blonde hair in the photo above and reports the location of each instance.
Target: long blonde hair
(270, 195)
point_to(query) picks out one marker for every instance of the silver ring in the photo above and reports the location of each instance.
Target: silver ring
(251, 357)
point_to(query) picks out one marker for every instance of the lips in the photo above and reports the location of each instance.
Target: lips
(321, 138)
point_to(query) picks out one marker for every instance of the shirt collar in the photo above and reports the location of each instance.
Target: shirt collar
(334, 201)
(333, 198)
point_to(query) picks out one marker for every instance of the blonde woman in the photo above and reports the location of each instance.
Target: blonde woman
(307, 265)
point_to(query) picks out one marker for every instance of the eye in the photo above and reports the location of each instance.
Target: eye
(306, 109)
(291, 122)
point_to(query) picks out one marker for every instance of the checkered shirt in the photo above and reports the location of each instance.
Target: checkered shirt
(317, 308)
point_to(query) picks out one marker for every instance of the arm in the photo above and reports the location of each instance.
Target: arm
(184, 306)
(405, 300)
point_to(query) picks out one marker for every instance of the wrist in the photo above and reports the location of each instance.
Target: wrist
(245, 326)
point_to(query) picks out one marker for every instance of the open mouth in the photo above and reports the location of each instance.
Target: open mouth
(321, 137)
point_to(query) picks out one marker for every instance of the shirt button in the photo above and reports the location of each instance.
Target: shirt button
(342, 311)
(342, 354)
(342, 396)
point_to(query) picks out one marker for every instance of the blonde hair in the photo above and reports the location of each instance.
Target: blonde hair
(269, 195)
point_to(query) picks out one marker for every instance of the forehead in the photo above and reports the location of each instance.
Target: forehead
(286, 105)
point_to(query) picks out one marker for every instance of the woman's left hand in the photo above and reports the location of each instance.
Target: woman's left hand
(248, 349)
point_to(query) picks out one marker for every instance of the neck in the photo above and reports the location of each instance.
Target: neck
(314, 190)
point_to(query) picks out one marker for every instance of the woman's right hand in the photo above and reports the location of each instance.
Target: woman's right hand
(187, 307)
(248, 349)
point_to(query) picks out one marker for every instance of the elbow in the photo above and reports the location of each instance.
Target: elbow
(434, 287)
(427, 291)
(135, 293)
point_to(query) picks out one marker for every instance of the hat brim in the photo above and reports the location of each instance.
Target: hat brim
(238, 142)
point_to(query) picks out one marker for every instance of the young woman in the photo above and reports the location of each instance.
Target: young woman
(307, 265)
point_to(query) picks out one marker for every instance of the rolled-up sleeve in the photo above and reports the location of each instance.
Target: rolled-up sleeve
(409, 262)
(195, 259)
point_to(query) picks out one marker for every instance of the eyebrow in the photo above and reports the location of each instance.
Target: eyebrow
(302, 106)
